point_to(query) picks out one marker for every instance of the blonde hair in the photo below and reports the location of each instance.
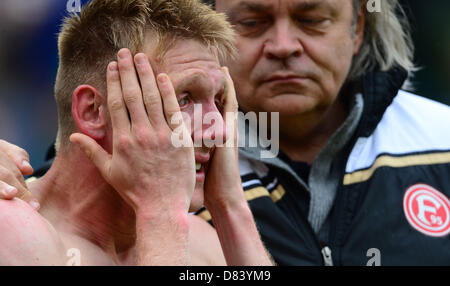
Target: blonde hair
(387, 40)
(89, 41)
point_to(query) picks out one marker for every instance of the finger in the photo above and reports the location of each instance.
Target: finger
(9, 171)
(170, 103)
(7, 192)
(27, 196)
(131, 89)
(150, 91)
(95, 153)
(230, 101)
(116, 105)
(26, 168)
(22, 160)
(18, 155)
(230, 109)
(12, 188)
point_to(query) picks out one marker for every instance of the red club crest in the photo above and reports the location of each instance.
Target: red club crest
(427, 210)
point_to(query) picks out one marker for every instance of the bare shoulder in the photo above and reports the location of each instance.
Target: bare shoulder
(204, 243)
(26, 237)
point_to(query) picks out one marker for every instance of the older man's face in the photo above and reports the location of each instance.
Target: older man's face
(294, 55)
(198, 80)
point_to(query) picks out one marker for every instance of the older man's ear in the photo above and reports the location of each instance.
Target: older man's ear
(89, 112)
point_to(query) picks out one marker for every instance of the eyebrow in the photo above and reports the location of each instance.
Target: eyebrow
(248, 6)
(303, 6)
(188, 82)
(193, 81)
(315, 4)
(308, 5)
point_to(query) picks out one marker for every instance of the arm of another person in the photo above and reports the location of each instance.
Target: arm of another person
(26, 238)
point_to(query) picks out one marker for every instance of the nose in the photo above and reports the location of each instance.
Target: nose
(283, 42)
(213, 127)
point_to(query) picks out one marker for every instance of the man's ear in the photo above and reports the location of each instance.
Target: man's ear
(359, 29)
(88, 107)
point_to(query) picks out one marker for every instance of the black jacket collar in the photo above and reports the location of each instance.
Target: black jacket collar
(379, 89)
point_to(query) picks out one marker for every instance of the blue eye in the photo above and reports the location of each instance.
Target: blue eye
(183, 101)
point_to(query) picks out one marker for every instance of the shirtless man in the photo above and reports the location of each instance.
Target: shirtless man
(127, 201)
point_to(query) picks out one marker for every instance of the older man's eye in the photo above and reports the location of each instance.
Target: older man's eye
(251, 26)
(313, 22)
(251, 23)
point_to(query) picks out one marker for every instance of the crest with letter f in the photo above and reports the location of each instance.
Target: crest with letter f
(427, 210)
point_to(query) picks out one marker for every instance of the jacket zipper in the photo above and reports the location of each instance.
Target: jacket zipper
(327, 258)
(325, 251)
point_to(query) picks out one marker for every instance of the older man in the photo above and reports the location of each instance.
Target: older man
(362, 175)
(127, 201)
(361, 178)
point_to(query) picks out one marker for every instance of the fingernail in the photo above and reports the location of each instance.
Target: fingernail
(26, 164)
(123, 54)
(162, 78)
(140, 59)
(113, 66)
(10, 190)
(35, 204)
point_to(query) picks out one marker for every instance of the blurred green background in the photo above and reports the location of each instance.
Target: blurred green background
(430, 22)
(28, 63)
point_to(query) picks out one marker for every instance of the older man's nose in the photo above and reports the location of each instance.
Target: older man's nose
(283, 42)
